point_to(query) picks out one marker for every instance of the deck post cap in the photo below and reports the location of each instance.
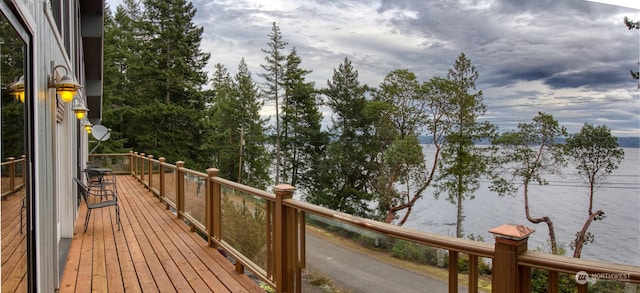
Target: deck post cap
(513, 232)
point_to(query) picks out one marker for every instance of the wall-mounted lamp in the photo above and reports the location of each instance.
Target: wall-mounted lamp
(87, 126)
(79, 108)
(66, 86)
(17, 89)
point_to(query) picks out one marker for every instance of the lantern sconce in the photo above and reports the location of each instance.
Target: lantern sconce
(87, 126)
(17, 89)
(79, 109)
(66, 86)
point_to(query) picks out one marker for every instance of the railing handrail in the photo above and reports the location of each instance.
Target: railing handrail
(12, 164)
(508, 254)
(245, 188)
(572, 265)
(456, 244)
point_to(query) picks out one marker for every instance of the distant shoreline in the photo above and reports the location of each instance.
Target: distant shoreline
(623, 142)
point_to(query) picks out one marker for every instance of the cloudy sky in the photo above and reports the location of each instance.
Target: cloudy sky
(569, 58)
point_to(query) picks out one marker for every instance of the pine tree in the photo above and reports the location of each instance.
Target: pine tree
(239, 141)
(255, 166)
(274, 76)
(462, 164)
(172, 53)
(226, 136)
(157, 99)
(301, 136)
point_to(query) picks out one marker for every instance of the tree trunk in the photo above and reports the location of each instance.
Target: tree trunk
(580, 240)
(552, 233)
(459, 218)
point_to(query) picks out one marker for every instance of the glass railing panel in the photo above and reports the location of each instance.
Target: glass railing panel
(118, 163)
(145, 170)
(19, 180)
(155, 175)
(4, 173)
(611, 283)
(244, 224)
(353, 259)
(169, 184)
(194, 197)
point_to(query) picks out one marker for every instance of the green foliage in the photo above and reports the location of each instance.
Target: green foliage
(302, 141)
(420, 254)
(154, 99)
(342, 176)
(525, 156)
(243, 226)
(462, 164)
(595, 154)
(235, 120)
(274, 78)
(13, 115)
(539, 284)
(631, 24)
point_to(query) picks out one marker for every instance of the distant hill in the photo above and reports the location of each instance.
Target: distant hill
(624, 142)
(629, 142)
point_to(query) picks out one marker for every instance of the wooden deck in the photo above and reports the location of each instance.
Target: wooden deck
(153, 251)
(14, 256)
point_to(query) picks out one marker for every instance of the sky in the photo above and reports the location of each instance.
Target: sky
(568, 58)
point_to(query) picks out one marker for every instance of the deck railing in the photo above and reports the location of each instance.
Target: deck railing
(13, 174)
(265, 233)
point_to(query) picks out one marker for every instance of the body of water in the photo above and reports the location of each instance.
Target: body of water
(565, 200)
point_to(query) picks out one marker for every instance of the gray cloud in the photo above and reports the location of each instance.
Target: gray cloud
(569, 58)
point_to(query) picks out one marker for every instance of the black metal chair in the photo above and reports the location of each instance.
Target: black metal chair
(97, 181)
(86, 192)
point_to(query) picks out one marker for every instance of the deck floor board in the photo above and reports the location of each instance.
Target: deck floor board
(153, 251)
(13, 244)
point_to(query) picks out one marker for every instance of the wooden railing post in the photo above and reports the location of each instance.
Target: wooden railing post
(135, 165)
(213, 202)
(286, 272)
(142, 164)
(150, 168)
(179, 190)
(130, 162)
(453, 271)
(24, 168)
(161, 177)
(507, 276)
(12, 174)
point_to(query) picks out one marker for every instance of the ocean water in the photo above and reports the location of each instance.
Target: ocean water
(565, 200)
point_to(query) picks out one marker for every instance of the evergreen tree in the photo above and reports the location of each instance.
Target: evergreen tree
(226, 134)
(301, 138)
(120, 47)
(255, 166)
(343, 176)
(156, 102)
(239, 141)
(172, 56)
(274, 76)
(462, 164)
